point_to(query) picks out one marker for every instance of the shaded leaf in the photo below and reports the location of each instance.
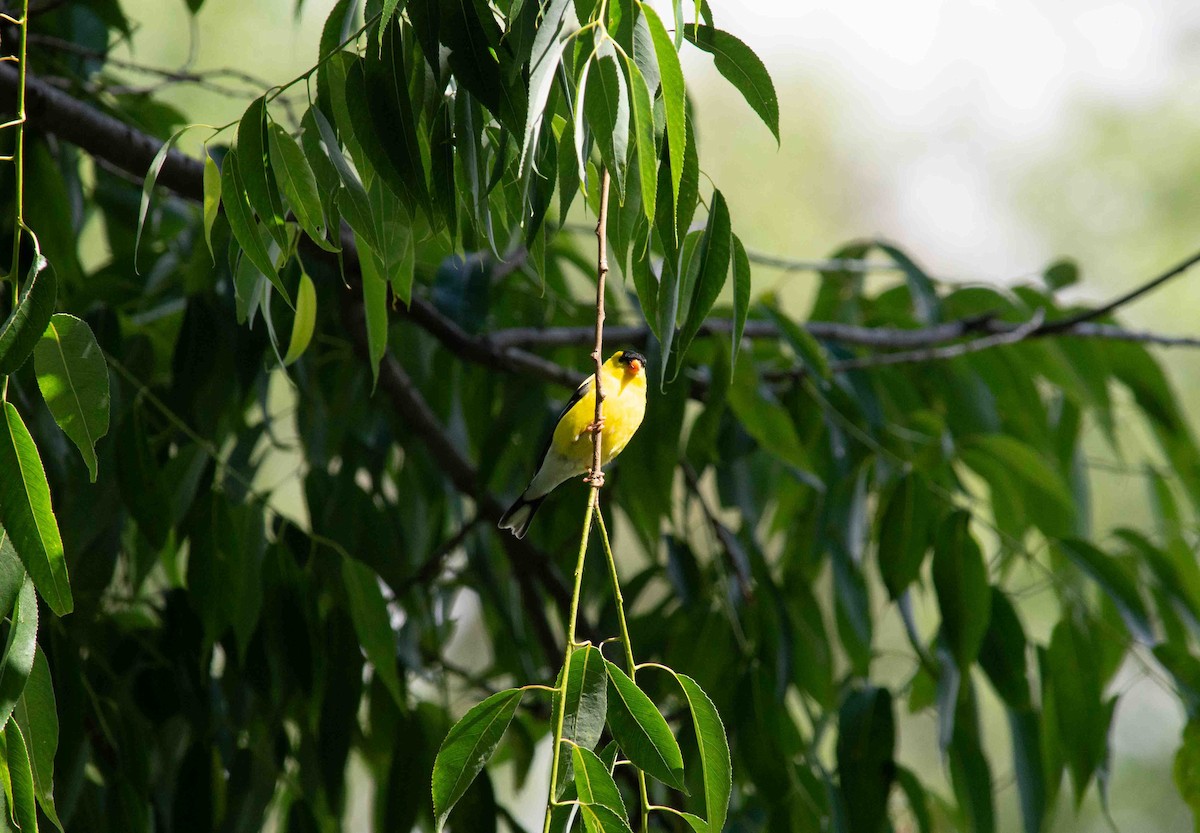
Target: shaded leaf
(37, 715)
(903, 533)
(298, 184)
(865, 757)
(593, 782)
(19, 651)
(586, 707)
(961, 580)
(28, 321)
(468, 747)
(73, 378)
(369, 612)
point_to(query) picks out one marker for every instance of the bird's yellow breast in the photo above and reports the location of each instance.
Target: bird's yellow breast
(623, 407)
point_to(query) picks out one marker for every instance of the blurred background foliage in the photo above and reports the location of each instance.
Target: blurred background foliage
(985, 563)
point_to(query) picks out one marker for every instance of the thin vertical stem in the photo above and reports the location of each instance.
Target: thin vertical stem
(566, 672)
(18, 155)
(629, 661)
(596, 477)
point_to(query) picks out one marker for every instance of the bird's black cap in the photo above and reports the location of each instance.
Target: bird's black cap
(629, 356)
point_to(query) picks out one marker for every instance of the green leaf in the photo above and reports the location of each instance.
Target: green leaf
(1050, 502)
(352, 198)
(961, 580)
(374, 289)
(480, 62)
(643, 133)
(741, 68)
(763, 417)
(253, 169)
(714, 255)
(37, 715)
(1187, 768)
(19, 651)
(73, 378)
(741, 295)
(593, 782)
(715, 763)
(924, 295)
(305, 320)
(600, 819)
(368, 610)
(806, 347)
(12, 574)
(468, 747)
(674, 96)
(1003, 653)
(606, 106)
(1073, 663)
(1115, 581)
(904, 533)
(241, 222)
(20, 770)
(865, 757)
(641, 731)
(152, 172)
(26, 513)
(298, 184)
(393, 119)
(587, 704)
(918, 801)
(1025, 730)
(28, 321)
(1060, 274)
(212, 198)
(548, 46)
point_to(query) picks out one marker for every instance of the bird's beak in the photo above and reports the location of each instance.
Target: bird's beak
(635, 367)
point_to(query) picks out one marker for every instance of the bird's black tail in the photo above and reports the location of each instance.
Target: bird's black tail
(518, 516)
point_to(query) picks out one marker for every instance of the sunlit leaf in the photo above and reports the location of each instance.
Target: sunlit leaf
(26, 513)
(298, 184)
(674, 97)
(742, 68)
(641, 731)
(587, 705)
(305, 320)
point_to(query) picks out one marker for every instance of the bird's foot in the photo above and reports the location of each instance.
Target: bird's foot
(595, 427)
(595, 478)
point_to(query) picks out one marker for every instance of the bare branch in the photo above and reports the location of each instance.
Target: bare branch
(596, 475)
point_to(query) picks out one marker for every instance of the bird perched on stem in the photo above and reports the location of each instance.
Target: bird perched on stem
(568, 452)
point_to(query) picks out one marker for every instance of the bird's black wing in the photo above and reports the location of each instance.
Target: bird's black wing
(580, 392)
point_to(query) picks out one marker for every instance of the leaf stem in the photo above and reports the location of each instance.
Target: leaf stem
(629, 661)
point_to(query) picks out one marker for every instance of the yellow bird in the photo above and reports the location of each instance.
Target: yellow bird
(568, 452)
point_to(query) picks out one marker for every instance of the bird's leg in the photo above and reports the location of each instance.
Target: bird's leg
(594, 427)
(594, 478)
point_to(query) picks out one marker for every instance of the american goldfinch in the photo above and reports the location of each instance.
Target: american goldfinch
(568, 452)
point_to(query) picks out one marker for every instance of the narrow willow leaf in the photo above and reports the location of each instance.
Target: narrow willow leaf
(73, 378)
(600, 819)
(641, 732)
(26, 513)
(20, 770)
(643, 54)
(28, 321)
(1186, 769)
(1050, 503)
(807, 349)
(1003, 653)
(714, 253)
(1115, 581)
(152, 173)
(391, 120)
(904, 533)
(305, 320)
(12, 574)
(643, 132)
(335, 30)
(37, 715)
(254, 170)
(961, 580)
(674, 97)
(918, 800)
(298, 183)
(593, 782)
(741, 296)
(468, 747)
(607, 109)
(368, 610)
(742, 68)
(865, 757)
(352, 198)
(19, 651)
(1029, 768)
(715, 764)
(587, 704)
(926, 302)
(212, 198)
(548, 48)
(241, 222)
(374, 288)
